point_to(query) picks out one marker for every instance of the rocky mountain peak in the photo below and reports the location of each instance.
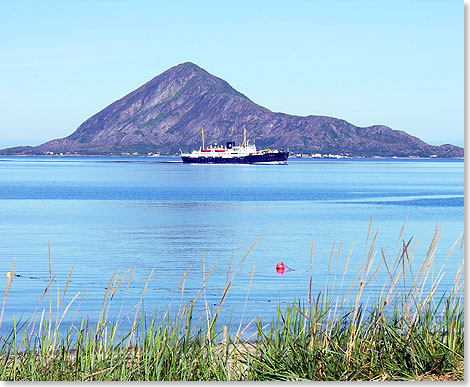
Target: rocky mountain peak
(168, 112)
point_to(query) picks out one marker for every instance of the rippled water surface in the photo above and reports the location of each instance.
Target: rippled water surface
(107, 214)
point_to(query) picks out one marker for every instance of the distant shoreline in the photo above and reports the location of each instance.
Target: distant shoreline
(290, 158)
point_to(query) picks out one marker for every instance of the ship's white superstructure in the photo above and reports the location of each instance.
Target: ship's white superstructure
(221, 151)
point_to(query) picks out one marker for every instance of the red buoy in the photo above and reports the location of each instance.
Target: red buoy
(280, 266)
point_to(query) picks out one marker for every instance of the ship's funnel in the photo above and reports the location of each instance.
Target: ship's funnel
(230, 144)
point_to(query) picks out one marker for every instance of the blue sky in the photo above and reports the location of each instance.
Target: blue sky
(398, 63)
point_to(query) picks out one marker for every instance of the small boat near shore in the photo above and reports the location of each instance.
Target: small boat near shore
(231, 154)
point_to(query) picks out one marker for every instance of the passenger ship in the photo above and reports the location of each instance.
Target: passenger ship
(231, 154)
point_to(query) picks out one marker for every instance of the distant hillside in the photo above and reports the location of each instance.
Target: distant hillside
(168, 112)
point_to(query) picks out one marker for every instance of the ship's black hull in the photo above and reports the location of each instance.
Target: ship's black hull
(278, 157)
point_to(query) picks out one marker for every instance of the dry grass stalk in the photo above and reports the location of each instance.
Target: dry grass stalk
(246, 301)
(7, 290)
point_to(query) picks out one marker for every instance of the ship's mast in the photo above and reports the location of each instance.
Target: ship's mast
(202, 132)
(244, 136)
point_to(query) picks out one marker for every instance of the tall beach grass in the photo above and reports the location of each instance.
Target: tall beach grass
(408, 331)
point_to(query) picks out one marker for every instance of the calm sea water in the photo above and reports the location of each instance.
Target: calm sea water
(107, 214)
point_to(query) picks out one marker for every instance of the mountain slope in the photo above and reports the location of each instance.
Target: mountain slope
(168, 112)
